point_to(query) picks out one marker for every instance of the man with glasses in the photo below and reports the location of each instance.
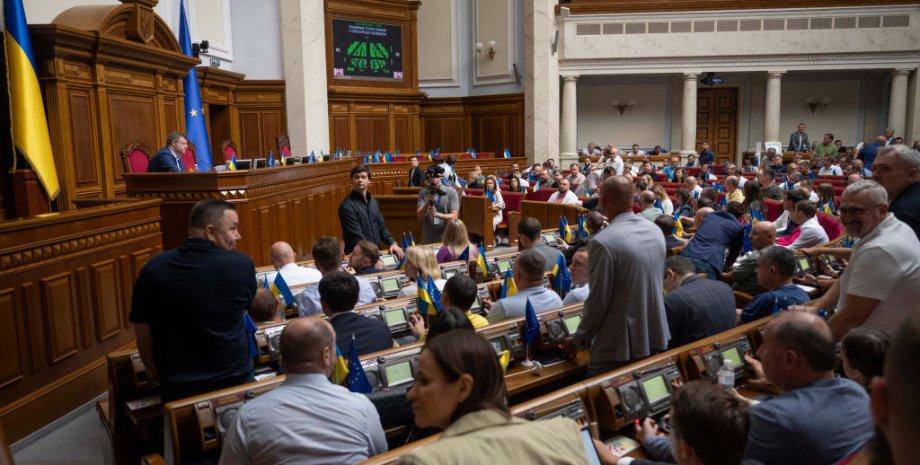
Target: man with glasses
(880, 287)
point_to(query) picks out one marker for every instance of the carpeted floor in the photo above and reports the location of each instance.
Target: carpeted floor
(80, 441)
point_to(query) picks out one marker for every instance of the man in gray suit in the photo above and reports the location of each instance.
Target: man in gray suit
(798, 140)
(528, 277)
(625, 308)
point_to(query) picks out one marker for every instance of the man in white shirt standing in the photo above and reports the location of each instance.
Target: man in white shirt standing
(614, 160)
(563, 194)
(307, 419)
(578, 271)
(811, 233)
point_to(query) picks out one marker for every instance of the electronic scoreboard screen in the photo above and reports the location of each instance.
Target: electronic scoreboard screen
(366, 50)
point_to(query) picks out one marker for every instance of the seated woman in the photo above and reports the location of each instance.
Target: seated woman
(420, 265)
(460, 388)
(666, 205)
(826, 199)
(456, 240)
(514, 184)
(753, 200)
(495, 196)
(680, 176)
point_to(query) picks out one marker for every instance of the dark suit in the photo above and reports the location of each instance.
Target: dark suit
(164, 162)
(370, 335)
(416, 177)
(699, 308)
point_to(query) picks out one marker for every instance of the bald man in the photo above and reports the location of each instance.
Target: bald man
(743, 276)
(283, 259)
(895, 405)
(307, 418)
(625, 304)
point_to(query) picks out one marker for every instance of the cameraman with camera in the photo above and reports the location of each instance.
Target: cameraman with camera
(436, 205)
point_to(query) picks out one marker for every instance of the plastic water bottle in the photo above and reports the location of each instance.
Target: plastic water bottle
(726, 376)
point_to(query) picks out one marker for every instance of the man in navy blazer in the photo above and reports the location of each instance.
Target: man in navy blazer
(338, 294)
(169, 158)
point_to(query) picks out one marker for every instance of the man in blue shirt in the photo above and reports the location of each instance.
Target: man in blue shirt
(870, 151)
(670, 169)
(719, 231)
(706, 155)
(774, 272)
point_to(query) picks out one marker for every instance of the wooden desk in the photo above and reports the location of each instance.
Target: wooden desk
(296, 203)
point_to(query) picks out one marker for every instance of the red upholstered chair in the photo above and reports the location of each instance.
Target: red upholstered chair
(189, 158)
(831, 226)
(228, 150)
(541, 195)
(135, 158)
(637, 208)
(774, 209)
(512, 204)
(284, 146)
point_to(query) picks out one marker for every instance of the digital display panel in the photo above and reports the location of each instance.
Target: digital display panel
(731, 354)
(498, 343)
(571, 323)
(450, 273)
(388, 260)
(366, 50)
(389, 284)
(804, 264)
(394, 317)
(550, 239)
(654, 389)
(477, 304)
(398, 373)
(590, 450)
(503, 266)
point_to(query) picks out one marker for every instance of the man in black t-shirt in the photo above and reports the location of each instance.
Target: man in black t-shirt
(188, 306)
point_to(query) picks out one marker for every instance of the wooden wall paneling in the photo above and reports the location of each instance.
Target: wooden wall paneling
(399, 213)
(84, 306)
(12, 345)
(88, 172)
(106, 301)
(32, 329)
(250, 144)
(271, 129)
(476, 214)
(485, 123)
(58, 303)
(260, 105)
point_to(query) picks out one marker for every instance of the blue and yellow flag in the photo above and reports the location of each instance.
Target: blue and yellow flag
(531, 324)
(583, 226)
(423, 298)
(490, 195)
(504, 359)
(195, 126)
(265, 281)
(756, 216)
(405, 243)
(27, 114)
(411, 239)
(376, 158)
(746, 240)
(678, 228)
(507, 154)
(465, 255)
(536, 185)
(357, 379)
(481, 261)
(271, 159)
(565, 232)
(509, 288)
(231, 165)
(829, 207)
(848, 241)
(280, 287)
(340, 372)
(562, 281)
(435, 295)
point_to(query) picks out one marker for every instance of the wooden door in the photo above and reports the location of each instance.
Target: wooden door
(716, 120)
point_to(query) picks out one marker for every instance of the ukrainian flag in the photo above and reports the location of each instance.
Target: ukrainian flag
(340, 373)
(507, 154)
(411, 239)
(509, 288)
(583, 226)
(280, 287)
(503, 359)
(564, 230)
(481, 261)
(829, 207)
(678, 229)
(424, 302)
(27, 113)
(561, 279)
(231, 165)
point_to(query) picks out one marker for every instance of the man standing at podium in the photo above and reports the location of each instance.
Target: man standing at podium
(169, 158)
(360, 215)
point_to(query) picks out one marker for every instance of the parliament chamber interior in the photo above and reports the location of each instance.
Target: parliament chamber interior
(460, 231)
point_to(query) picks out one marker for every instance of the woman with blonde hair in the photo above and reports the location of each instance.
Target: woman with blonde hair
(666, 205)
(456, 240)
(421, 265)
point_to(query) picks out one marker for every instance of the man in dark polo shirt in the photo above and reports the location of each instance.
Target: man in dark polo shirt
(897, 169)
(188, 305)
(360, 215)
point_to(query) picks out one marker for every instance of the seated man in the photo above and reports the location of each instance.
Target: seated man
(306, 417)
(696, 307)
(768, 188)
(563, 194)
(647, 202)
(719, 230)
(732, 190)
(743, 276)
(283, 259)
(364, 257)
(338, 293)
(785, 226)
(811, 233)
(774, 272)
(327, 257)
(530, 238)
(264, 307)
(578, 271)
(528, 277)
(666, 223)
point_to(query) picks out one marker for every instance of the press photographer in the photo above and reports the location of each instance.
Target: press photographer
(436, 205)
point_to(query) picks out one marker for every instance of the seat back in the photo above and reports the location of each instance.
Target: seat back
(228, 150)
(135, 158)
(284, 146)
(189, 159)
(541, 195)
(774, 209)
(831, 226)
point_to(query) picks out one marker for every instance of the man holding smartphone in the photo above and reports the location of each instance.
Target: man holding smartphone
(437, 204)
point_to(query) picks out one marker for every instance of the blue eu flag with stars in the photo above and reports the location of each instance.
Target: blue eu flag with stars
(195, 128)
(357, 379)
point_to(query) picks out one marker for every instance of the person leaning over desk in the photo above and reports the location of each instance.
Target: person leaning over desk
(460, 388)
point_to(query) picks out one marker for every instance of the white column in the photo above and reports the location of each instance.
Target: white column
(303, 44)
(568, 138)
(897, 107)
(772, 106)
(541, 81)
(688, 115)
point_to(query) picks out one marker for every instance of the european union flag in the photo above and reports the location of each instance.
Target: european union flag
(357, 379)
(746, 241)
(473, 154)
(195, 128)
(29, 127)
(388, 158)
(561, 279)
(376, 158)
(251, 329)
(265, 281)
(435, 295)
(756, 216)
(531, 324)
(279, 286)
(658, 204)
(312, 157)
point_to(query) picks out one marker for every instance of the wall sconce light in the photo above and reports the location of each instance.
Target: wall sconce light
(490, 50)
(814, 104)
(623, 107)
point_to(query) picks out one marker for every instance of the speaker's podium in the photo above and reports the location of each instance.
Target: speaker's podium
(295, 203)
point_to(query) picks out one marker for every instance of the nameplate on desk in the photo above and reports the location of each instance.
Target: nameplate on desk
(622, 445)
(139, 404)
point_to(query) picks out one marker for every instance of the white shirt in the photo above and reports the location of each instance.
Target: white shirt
(782, 222)
(667, 206)
(616, 162)
(412, 289)
(569, 198)
(296, 275)
(885, 266)
(306, 420)
(810, 234)
(309, 299)
(834, 170)
(579, 294)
